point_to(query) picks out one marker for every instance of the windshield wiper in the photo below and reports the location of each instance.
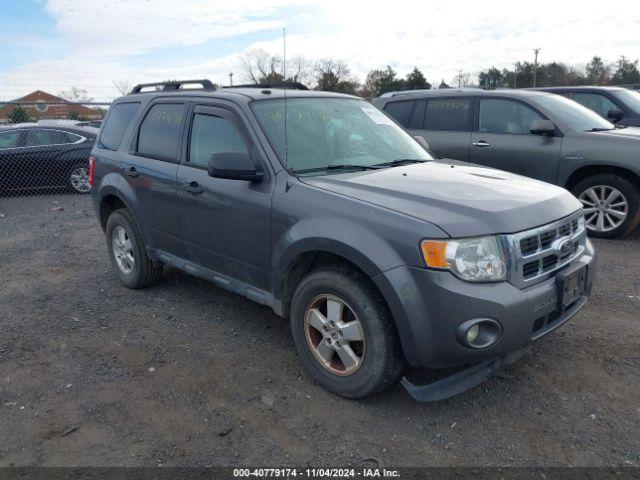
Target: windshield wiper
(398, 162)
(333, 167)
(600, 129)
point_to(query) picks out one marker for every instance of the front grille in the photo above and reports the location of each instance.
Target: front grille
(538, 252)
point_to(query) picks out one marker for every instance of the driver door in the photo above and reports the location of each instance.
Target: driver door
(224, 223)
(503, 140)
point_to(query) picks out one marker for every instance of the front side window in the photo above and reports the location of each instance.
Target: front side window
(40, 138)
(118, 120)
(334, 132)
(211, 134)
(596, 102)
(9, 139)
(401, 111)
(160, 131)
(447, 114)
(506, 116)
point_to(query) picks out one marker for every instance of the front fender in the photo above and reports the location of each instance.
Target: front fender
(361, 246)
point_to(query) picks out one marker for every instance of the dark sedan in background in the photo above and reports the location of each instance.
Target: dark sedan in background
(39, 157)
(537, 134)
(618, 105)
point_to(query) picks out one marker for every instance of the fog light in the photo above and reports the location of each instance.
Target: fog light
(472, 333)
(479, 333)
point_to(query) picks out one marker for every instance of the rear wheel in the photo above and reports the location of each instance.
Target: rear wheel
(78, 178)
(344, 333)
(128, 253)
(611, 205)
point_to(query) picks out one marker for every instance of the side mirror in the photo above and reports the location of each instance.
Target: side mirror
(542, 127)
(233, 166)
(615, 114)
(423, 143)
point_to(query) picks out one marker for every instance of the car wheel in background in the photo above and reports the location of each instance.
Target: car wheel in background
(611, 205)
(78, 178)
(128, 253)
(344, 333)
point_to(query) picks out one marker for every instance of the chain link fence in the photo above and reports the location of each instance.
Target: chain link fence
(45, 146)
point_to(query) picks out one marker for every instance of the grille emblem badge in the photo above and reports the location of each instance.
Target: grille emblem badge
(564, 247)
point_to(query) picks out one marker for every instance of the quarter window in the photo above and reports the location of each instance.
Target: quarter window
(211, 134)
(401, 111)
(447, 114)
(9, 139)
(160, 131)
(596, 102)
(506, 116)
(118, 120)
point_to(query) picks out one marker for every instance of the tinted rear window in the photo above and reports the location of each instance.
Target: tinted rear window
(400, 111)
(116, 124)
(160, 131)
(447, 114)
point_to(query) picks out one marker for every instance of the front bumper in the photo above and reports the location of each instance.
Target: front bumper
(428, 306)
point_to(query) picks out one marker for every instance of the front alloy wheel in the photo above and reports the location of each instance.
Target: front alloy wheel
(334, 334)
(605, 208)
(122, 250)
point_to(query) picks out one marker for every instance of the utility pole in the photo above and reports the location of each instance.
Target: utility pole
(535, 66)
(515, 75)
(459, 77)
(231, 79)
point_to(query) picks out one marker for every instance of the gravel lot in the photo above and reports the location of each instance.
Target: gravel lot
(185, 373)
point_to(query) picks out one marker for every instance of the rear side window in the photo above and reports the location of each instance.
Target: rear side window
(160, 131)
(211, 134)
(118, 120)
(401, 111)
(448, 114)
(39, 138)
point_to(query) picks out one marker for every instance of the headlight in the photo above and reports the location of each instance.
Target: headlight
(472, 259)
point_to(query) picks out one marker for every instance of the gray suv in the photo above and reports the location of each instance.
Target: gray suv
(321, 207)
(537, 134)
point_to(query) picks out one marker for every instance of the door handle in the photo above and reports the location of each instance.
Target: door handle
(481, 144)
(194, 188)
(132, 172)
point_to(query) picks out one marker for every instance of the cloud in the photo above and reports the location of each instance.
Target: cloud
(105, 40)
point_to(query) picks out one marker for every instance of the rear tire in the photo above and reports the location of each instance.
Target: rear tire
(611, 205)
(378, 363)
(78, 179)
(128, 253)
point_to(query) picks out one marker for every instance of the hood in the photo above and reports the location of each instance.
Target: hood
(461, 198)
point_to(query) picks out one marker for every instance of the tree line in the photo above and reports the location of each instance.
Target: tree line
(335, 75)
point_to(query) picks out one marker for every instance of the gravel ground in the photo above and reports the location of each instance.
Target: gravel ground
(185, 373)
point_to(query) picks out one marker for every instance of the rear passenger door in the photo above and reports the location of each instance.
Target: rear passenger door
(150, 169)
(503, 140)
(224, 223)
(446, 124)
(43, 147)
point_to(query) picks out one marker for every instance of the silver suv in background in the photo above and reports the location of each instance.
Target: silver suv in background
(536, 134)
(617, 104)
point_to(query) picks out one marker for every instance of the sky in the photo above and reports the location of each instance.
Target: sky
(53, 45)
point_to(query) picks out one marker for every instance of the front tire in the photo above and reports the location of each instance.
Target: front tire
(344, 333)
(128, 253)
(611, 205)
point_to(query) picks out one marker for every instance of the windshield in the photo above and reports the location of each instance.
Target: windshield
(330, 134)
(572, 114)
(631, 98)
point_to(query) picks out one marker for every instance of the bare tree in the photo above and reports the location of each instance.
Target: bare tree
(463, 80)
(123, 86)
(76, 94)
(259, 66)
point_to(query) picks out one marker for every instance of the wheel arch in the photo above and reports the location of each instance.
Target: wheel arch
(590, 170)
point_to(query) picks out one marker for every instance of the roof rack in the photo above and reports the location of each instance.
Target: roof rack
(173, 85)
(290, 85)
